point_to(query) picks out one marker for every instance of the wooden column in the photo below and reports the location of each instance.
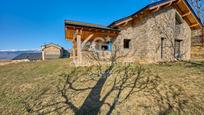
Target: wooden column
(79, 56)
(74, 48)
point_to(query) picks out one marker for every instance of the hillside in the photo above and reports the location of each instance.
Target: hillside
(56, 87)
(9, 55)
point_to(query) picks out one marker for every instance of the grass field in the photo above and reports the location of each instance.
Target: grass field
(181, 88)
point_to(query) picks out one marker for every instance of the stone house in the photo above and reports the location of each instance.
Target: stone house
(159, 32)
(51, 51)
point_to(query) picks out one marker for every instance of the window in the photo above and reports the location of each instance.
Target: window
(178, 19)
(110, 45)
(162, 48)
(126, 43)
(104, 47)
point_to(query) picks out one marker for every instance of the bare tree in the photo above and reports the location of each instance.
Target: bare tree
(198, 7)
(123, 82)
(168, 32)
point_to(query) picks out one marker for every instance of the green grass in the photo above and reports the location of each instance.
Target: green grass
(17, 81)
(23, 79)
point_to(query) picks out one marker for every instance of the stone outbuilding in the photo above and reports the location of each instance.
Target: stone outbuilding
(159, 32)
(52, 51)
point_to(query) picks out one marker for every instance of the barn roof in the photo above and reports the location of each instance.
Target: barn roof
(52, 44)
(29, 56)
(182, 6)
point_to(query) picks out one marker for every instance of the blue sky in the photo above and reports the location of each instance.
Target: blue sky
(28, 24)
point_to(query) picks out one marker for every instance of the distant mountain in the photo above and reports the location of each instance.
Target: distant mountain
(10, 54)
(29, 56)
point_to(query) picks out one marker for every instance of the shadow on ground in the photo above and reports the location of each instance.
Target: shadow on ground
(100, 90)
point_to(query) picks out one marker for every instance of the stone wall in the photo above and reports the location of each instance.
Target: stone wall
(197, 49)
(137, 33)
(197, 37)
(145, 34)
(184, 35)
(197, 53)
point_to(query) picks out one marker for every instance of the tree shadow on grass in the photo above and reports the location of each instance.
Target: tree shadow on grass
(192, 64)
(120, 82)
(128, 79)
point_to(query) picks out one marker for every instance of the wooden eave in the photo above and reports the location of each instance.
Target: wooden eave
(85, 31)
(182, 7)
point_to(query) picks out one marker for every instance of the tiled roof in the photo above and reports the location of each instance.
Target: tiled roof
(152, 5)
(52, 44)
(82, 24)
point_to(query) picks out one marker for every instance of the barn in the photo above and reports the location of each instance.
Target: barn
(52, 51)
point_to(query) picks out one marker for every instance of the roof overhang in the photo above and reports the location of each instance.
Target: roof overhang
(182, 6)
(86, 29)
(51, 45)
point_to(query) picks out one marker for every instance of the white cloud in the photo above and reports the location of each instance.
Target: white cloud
(14, 50)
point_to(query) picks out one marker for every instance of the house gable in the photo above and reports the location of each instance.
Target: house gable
(182, 7)
(51, 45)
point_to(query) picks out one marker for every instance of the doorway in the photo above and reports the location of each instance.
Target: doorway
(177, 49)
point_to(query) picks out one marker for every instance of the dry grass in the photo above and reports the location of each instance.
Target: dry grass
(181, 84)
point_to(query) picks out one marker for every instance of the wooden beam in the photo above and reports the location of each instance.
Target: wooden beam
(199, 24)
(79, 56)
(86, 40)
(179, 1)
(186, 14)
(194, 25)
(135, 16)
(80, 31)
(170, 3)
(152, 8)
(157, 9)
(125, 21)
(163, 4)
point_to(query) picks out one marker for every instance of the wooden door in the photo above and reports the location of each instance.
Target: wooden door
(177, 49)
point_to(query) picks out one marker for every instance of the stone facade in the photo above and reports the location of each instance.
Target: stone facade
(197, 37)
(145, 36)
(197, 49)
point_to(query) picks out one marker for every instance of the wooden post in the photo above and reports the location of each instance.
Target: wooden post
(74, 48)
(79, 56)
(74, 44)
